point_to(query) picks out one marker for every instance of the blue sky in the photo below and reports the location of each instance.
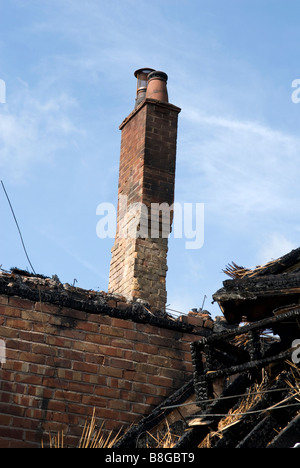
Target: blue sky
(68, 68)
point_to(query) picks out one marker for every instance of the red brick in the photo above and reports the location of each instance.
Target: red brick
(143, 388)
(18, 323)
(5, 419)
(135, 376)
(145, 369)
(121, 344)
(93, 338)
(6, 332)
(106, 330)
(11, 433)
(108, 392)
(29, 379)
(20, 303)
(43, 349)
(31, 336)
(145, 328)
(160, 381)
(78, 386)
(121, 384)
(110, 371)
(128, 418)
(173, 335)
(85, 346)
(3, 300)
(146, 348)
(32, 358)
(152, 400)
(140, 408)
(163, 392)
(72, 355)
(119, 323)
(86, 367)
(119, 405)
(100, 319)
(108, 413)
(88, 327)
(159, 361)
(133, 335)
(44, 307)
(122, 364)
(158, 341)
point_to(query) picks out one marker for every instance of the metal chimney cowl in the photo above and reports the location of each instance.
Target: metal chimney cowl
(141, 75)
(151, 84)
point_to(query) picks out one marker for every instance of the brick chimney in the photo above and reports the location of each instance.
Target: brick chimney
(146, 180)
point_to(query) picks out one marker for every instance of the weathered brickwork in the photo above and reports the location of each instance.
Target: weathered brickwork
(146, 176)
(62, 362)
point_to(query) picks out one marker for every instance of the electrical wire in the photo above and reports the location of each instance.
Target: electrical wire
(21, 237)
(190, 403)
(265, 410)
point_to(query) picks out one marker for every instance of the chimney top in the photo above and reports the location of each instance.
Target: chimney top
(142, 76)
(157, 86)
(151, 84)
(157, 74)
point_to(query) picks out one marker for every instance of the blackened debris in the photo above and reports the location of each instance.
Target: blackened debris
(45, 289)
(268, 300)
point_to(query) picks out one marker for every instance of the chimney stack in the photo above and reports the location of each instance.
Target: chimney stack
(146, 181)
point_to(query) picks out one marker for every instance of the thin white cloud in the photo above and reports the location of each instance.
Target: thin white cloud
(275, 245)
(32, 129)
(254, 128)
(241, 168)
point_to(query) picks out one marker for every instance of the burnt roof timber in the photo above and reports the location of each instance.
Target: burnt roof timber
(37, 289)
(267, 322)
(281, 265)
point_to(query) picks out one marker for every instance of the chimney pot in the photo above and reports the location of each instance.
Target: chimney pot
(141, 74)
(157, 86)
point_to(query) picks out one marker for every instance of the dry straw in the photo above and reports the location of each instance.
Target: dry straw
(91, 437)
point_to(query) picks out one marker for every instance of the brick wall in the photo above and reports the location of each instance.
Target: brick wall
(63, 361)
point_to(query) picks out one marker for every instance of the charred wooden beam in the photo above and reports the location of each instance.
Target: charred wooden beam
(261, 434)
(265, 431)
(160, 413)
(202, 351)
(227, 400)
(256, 297)
(287, 263)
(262, 324)
(248, 366)
(255, 416)
(289, 436)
